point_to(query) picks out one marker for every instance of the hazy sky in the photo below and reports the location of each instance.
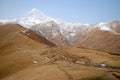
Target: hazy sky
(82, 11)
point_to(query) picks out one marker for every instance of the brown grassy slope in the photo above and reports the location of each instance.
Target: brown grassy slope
(27, 56)
(19, 49)
(101, 40)
(70, 63)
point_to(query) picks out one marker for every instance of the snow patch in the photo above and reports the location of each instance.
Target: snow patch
(35, 62)
(106, 28)
(103, 65)
(54, 32)
(72, 34)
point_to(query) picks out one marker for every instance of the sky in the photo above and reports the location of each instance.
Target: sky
(76, 11)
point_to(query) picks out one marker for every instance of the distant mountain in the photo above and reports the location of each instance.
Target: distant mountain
(105, 37)
(64, 33)
(101, 40)
(112, 26)
(33, 17)
(6, 21)
(50, 28)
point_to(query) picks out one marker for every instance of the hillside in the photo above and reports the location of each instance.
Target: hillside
(101, 40)
(19, 48)
(26, 56)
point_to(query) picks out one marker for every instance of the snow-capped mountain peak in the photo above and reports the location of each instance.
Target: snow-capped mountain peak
(104, 27)
(32, 18)
(56, 29)
(36, 14)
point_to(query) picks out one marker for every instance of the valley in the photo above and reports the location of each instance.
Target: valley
(26, 55)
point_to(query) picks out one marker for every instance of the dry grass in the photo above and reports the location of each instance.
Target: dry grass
(27, 56)
(101, 40)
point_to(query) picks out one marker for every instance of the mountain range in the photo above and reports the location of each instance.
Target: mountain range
(64, 33)
(34, 46)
